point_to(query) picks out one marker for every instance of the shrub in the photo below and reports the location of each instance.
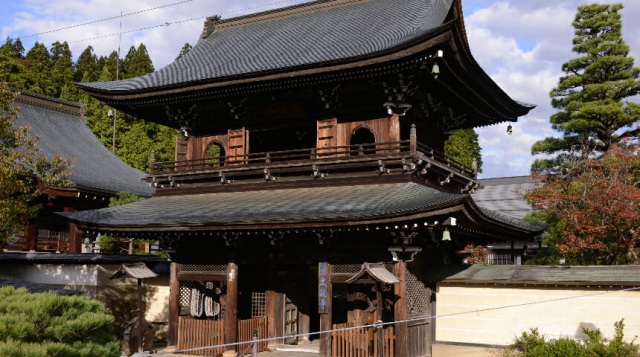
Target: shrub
(533, 344)
(51, 325)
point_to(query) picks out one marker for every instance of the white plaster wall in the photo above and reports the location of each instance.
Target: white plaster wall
(81, 277)
(494, 315)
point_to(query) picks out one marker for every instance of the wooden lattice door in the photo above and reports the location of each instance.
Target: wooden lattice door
(290, 317)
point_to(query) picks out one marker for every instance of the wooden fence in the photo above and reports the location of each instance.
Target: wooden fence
(351, 341)
(245, 332)
(194, 333)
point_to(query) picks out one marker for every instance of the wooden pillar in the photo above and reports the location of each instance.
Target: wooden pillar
(413, 147)
(325, 299)
(30, 237)
(231, 315)
(400, 308)
(174, 305)
(75, 235)
(275, 306)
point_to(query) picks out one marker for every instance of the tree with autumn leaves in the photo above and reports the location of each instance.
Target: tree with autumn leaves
(590, 191)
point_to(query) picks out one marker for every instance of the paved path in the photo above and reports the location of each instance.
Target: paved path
(439, 350)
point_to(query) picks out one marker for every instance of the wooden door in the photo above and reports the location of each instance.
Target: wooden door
(290, 322)
(327, 137)
(238, 145)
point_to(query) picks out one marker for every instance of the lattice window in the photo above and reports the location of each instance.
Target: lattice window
(201, 268)
(207, 289)
(418, 294)
(258, 304)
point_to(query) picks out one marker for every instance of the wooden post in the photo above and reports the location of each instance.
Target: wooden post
(400, 308)
(379, 313)
(140, 318)
(174, 304)
(152, 162)
(413, 140)
(325, 297)
(30, 237)
(231, 316)
(75, 235)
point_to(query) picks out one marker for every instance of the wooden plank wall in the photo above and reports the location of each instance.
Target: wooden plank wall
(194, 333)
(361, 342)
(383, 129)
(245, 333)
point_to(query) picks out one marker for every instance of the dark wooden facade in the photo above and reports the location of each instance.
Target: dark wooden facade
(301, 160)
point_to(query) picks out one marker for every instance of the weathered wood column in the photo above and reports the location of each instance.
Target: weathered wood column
(231, 313)
(75, 235)
(400, 308)
(174, 304)
(325, 299)
(30, 237)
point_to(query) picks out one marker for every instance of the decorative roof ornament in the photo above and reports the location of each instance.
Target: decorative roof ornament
(209, 25)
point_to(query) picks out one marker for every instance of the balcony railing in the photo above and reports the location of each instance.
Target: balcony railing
(405, 155)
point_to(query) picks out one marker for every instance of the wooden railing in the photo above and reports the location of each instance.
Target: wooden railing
(274, 157)
(281, 160)
(352, 341)
(195, 333)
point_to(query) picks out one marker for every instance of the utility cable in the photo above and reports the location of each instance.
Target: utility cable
(380, 324)
(107, 19)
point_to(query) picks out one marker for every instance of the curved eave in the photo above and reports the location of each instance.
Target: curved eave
(414, 47)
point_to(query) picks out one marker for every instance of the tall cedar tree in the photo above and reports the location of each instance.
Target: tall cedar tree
(463, 147)
(24, 174)
(590, 96)
(595, 215)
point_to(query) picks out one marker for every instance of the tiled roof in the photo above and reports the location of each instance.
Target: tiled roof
(317, 204)
(318, 33)
(292, 205)
(538, 274)
(66, 133)
(505, 195)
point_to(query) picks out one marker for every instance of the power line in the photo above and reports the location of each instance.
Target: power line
(107, 19)
(380, 324)
(165, 24)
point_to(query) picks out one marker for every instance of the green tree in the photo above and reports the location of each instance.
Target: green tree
(62, 71)
(38, 71)
(86, 68)
(24, 174)
(463, 147)
(52, 325)
(593, 113)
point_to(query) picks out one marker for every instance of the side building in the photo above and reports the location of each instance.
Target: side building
(96, 173)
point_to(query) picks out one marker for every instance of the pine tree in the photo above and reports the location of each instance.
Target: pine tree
(463, 147)
(185, 49)
(594, 114)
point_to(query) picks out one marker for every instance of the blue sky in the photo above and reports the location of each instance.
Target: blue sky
(521, 44)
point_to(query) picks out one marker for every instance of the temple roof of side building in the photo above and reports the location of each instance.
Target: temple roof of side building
(537, 274)
(311, 34)
(64, 132)
(315, 206)
(505, 195)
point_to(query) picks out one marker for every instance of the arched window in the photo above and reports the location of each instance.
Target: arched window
(364, 138)
(214, 156)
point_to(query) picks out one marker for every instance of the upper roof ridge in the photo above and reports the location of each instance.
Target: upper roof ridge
(214, 23)
(51, 103)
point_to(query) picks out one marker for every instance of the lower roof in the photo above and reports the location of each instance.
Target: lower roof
(314, 206)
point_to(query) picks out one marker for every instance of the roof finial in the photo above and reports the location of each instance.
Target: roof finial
(209, 25)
